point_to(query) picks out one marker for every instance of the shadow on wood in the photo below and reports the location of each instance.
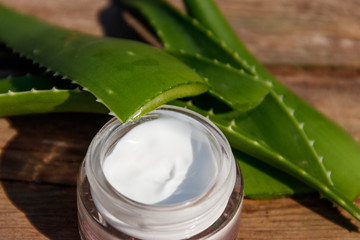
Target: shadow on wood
(47, 149)
(324, 208)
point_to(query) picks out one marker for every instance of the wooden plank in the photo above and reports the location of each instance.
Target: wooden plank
(39, 211)
(295, 218)
(305, 32)
(49, 148)
(46, 148)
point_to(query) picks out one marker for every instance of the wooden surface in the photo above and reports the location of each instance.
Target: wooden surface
(312, 46)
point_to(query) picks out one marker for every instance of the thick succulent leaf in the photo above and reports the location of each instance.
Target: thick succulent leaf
(104, 66)
(179, 32)
(171, 28)
(245, 135)
(224, 82)
(262, 181)
(208, 15)
(33, 82)
(259, 134)
(159, 15)
(340, 151)
(39, 94)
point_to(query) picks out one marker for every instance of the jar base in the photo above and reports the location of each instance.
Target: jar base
(92, 226)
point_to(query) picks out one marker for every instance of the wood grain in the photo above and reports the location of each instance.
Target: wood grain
(40, 155)
(41, 211)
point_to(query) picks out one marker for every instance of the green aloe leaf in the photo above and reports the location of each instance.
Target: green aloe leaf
(37, 94)
(266, 182)
(33, 82)
(271, 132)
(197, 40)
(130, 78)
(224, 81)
(245, 134)
(341, 153)
(180, 33)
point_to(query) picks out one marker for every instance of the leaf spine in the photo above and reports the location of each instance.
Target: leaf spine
(291, 111)
(195, 21)
(281, 98)
(190, 102)
(269, 83)
(159, 32)
(130, 53)
(253, 68)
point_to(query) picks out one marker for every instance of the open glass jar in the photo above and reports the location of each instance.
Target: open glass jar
(105, 213)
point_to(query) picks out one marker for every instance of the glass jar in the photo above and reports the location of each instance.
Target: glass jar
(106, 214)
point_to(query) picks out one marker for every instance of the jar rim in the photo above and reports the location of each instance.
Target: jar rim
(116, 203)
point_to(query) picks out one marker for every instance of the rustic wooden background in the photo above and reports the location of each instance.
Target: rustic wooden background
(311, 46)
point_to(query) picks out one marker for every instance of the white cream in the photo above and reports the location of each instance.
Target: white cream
(162, 161)
(176, 166)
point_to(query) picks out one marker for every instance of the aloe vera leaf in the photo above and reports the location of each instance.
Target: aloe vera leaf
(315, 176)
(208, 14)
(29, 82)
(224, 81)
(130, 78)
(179, 32)
(48, 101)
(340, 151)
(33, 94)
(245, 135)
(262, 181)
(160, 14)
